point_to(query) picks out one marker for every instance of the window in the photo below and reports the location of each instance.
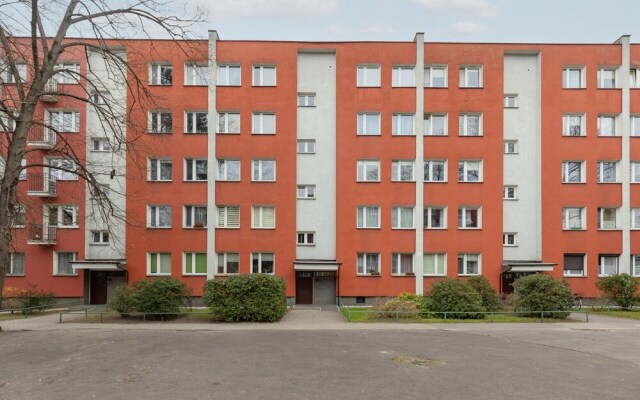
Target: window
(195, 264)
(62, 216)
(368, 171)
(262, 263)
(510, 193)
(573, 78)
(196, 74)
(634, 76)
(469, 218)
(160, 74)
(573, 125)
(195, 216)
(368, 264)
(573, 218)
(635, 265)
(368, 76)
(434, 264)
(306, 146)
(510, 101)
(16, 265)
(263, 170)
(160, 122)
(470, 77)
(509, 239)
(159, 217)
(158, 263)
(23, 171)
(100, 144)
(635, 218)
(195, 169)
(435, 170)
(574, 265)
(435, 217)
(402, 217)
(229, 122)
(264, 123)
(435, 125)
(228, 170)
(66, 73)
(20, 216)
(608, 218)
(196, 122)
(510, 147)
(402, 76)
(63, 169)
(229, 75)
(401, 263)
(263, 217)
(635, 172)
(368, 217)
(607, 125)
(306, 238)
(228, 217)
(402, 171)
(607, 172)
(402, 125)
(22, 73)
(264, 75)
(64, 121)
(102, 98)
(469, 171)
(100, 237)
(228, 263)
(306, 99)
(470, 125)
(62, 263)
(306, 191)
(469, 264)
(435, 76)
(160, 169)
(572, 172)
(608, 265)
(635, 125)
(368, 123)
(606, 78)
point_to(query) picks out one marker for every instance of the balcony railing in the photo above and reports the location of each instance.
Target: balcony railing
(50, 94)
(41, 137)
(44, 234)
(43, 185)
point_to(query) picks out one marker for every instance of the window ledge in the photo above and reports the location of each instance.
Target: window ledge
(263, 134)
(426, 135)
(65, 275)
(402, 229)
(574, 136)
(435, 181)
(403, 135)
(369, 134)
(366, 227)
(413, 181)
(609, 230)
(228, 274)
(159, 227)
(195, 228)
(408, 275)
(574, 183)
(436, 87)
(367, 181)
(470, 87)
(227, 133)
(369, 275)
(434, 276)
(252, 181)
(574, 88)
(436, 228)
(193, 181)
(99, 244)
(469, 274)
(154, 275)
(470, 181)
(469, 229)
(369, 87)
(160, 181)
(196, 275)
(263, 229)
(574, 229)
(15, 275)
(227, 227)
(68, 227)
(574, 276)
(228, 180)
(194, 85)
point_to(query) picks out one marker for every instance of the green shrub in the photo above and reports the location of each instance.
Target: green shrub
(122, 301)
(621, 289)
(416, 298)
(160, 295)
(540, 292)
(33, 300)
(490, 298)
(454, 295)
(396, 307)
(246, 297)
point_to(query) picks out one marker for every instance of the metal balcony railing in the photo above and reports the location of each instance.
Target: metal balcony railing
(39, 136)
(44, 185)
(50, 94)
(43, 234)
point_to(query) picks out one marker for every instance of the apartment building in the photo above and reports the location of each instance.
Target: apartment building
(351, 169)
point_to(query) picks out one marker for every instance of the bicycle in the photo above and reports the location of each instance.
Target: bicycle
(577, 302)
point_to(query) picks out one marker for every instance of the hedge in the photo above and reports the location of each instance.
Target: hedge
(540, 292)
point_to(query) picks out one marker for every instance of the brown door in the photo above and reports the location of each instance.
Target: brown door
(98, 287)
(304, 288)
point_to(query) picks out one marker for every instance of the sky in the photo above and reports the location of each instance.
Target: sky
(568, 21)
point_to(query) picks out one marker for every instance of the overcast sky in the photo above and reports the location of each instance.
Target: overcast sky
(581, 21)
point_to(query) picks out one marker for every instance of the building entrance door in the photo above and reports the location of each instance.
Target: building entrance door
(98, 289)
(304, 288)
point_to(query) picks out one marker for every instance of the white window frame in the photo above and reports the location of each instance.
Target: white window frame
(361, 261)
(601, 262)
(399, 122)
(224, 125)
(224, 75)
(634, 174)
(195, 70)
(363, 210)
(8, 76)
(428, 75)
(428, 213)
(566, 125)
(306, 99)
(306, 146)
(228, 216)
(362, 125)
(194, 166)
(600, 171)
(157, 68)
(566, 171)
(601, 219)
(60, 215)
(260, 262)
(257, 165)
(602, 79)
(396, 170)
(158, 264)
(20, 216)
(12, 267)
(614, 125)
(101, 236)
(223, 267)
(567, 218)
(159, 162)
(399, 76)
(102, 143)
(363, 165)
(505, 192)
(635, 125)
(153, 211)
(306, 192)
(257, 217)
(428, 124)
(69, 73)
(465, 71)
(222, 173)
(462, 217)
(635, 264)
(510, 147)
(510, 239)
(634, 78)
(428, 169)
(258, 123)
(464, 164)
(510, 101)
(261, 77)
(396, 264)
(566, 70)
(465, 264)
(156, 121)
(635, 218)
(566, 272)
(60, 171)
(305, 238)
(59, 116)
(56, 263)
(189, 212)
(396, 217)
(192, 116)
(193, 255)
(439, 260)
(463, 127)
(361, 78)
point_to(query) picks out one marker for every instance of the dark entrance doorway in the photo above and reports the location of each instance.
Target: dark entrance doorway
(508, 278)
(316, 287)
(304, 287)
(98, 288)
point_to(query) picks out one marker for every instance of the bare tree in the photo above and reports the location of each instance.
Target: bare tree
(35, 34)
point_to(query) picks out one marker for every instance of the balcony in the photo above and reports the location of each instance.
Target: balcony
(50, 94)
(42, 185)
(43, 234)
(41, 137)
